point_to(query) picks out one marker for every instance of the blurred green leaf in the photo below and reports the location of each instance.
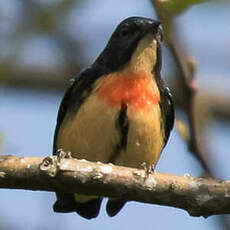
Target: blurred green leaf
(183, 130)
(178, 6)
(167, 9)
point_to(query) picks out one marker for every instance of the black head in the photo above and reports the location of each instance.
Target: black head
(124, 41)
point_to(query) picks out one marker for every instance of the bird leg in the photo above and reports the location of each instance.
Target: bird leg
(149, 169)
(62, 155)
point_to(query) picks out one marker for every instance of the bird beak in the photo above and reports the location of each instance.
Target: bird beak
(155, 28)
(159, 35)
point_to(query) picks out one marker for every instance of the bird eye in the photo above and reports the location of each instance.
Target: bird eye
(124, 32)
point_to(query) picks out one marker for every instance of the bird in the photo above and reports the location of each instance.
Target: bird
(118, 110)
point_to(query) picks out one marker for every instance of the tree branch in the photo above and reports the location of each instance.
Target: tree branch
(198, 196)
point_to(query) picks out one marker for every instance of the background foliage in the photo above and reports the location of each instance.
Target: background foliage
(44, 43)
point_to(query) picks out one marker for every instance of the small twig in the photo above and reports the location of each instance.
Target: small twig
(199, 196)
(188, 79)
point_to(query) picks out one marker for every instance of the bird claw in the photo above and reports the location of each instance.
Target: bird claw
(148, 169)
(151, 169)
(62, 155)
(144, 165)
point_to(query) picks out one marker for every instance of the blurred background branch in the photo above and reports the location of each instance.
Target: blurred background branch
(198, 119)
(166, 11)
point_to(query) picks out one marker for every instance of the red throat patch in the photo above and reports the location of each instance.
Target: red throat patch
(138, 91)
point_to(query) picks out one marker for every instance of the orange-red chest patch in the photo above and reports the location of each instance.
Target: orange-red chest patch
(138, 91)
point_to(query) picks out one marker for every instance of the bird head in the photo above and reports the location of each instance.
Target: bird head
(134, 45)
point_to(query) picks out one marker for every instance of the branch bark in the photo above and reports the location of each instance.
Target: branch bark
(198, 196)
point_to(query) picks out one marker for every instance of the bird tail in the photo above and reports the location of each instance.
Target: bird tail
(114, 206)
(88, 209)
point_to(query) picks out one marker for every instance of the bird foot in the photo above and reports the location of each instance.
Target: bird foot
(62, 155)
(149, 169)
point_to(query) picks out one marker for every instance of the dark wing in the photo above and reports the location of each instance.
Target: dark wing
(71, 102)
(167, 108)
(74, 97)
(166, 102)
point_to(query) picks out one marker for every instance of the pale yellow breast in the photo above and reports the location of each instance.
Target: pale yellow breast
(145, 140)
(91, 134)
